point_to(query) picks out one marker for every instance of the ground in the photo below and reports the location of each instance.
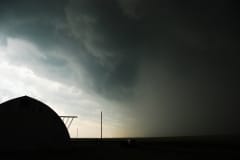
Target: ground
(140, 148)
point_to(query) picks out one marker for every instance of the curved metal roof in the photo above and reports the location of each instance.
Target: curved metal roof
(28, 123)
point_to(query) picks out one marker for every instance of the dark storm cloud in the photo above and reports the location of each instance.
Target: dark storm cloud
(33, 20)
(177, 58)
(191, 67)
(97, 34)
(110, 38)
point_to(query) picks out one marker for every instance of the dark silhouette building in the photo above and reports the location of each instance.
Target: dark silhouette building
(26, 123)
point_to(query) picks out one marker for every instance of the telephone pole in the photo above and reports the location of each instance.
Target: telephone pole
(101, 125)
(77, 132)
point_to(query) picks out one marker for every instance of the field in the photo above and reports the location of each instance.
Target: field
(213, 147)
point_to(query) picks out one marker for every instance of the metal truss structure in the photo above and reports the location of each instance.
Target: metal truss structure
(68, 120)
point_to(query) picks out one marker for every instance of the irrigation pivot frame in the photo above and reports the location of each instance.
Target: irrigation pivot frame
(68, 120)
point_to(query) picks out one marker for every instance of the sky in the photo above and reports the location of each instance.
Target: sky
(154, 68)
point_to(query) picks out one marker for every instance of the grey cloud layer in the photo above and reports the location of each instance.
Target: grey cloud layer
(190, 51)
(96, 34)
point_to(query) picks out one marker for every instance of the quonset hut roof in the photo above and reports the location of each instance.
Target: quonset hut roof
(26, 123)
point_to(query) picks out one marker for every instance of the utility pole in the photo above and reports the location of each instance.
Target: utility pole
(101, 125)
(77, 132)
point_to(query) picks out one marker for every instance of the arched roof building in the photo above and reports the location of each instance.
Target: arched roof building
(26, 123)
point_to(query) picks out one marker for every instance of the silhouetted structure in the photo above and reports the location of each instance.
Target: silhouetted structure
(26, 123)
(68, 120)
(101, 125)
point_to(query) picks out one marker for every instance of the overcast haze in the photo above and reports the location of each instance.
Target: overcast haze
(155, 68)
